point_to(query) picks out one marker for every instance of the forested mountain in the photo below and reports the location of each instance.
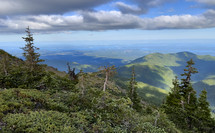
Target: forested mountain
(35, 98)
(54, 103)
(158, 70)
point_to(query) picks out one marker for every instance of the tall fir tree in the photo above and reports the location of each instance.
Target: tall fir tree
(189, 94)
(205, 122)
(34, 70)
(30, 54)
(175, 106)
(181, 104)
(133, 92)
(188, 73)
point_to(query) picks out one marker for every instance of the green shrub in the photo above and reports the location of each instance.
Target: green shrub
(38, 121)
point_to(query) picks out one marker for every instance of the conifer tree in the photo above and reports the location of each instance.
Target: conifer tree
(187, 72)
(205, 122)
(181, 103)
(34, 70)
(189, 94)
(133, 92)
(175, 105)
(30, 54)
(203, 105)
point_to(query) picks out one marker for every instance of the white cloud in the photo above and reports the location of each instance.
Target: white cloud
(105, 20)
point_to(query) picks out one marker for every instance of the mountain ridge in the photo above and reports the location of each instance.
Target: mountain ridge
(159, 69)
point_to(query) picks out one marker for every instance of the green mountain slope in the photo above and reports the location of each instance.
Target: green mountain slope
(158, 70)
(15, 60)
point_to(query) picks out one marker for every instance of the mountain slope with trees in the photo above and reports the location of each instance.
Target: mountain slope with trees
(158, 70)
(33, 99)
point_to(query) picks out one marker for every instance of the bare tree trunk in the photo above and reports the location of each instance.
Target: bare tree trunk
(188, 100)
(5, 64)
(5, 70)
(106, 80)
(157, 117)
(182, 104)
(82, 85)
(133, 81)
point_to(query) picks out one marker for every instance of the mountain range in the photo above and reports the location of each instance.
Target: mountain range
(157, 71)
(154, 72)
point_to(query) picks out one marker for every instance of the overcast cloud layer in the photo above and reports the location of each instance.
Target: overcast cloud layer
(23, 7)
(140, 6)
(46, 16)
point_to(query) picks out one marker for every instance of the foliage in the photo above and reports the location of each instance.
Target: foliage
(132, 94)
(39, 121)
(33, 99)
(32, 58)
(183, 108)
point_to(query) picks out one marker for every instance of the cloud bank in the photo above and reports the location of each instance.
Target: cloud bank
(205, 3)
(105, 20)
(47, 16)
(35, 7)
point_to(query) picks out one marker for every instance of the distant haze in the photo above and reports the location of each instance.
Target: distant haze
(102, 48)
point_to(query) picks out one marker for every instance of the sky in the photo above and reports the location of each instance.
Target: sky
(73, 20)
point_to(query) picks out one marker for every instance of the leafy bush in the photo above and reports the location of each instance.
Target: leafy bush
(39, 121)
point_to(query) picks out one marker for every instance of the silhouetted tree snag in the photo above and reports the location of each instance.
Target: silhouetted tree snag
(72, 75)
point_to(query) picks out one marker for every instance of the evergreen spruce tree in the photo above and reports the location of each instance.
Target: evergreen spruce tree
(30, 54)
(189, 94)
(34, 70)
(188, 73)
(133, 92)
(175, 105)
(181, 103)
(205, 122)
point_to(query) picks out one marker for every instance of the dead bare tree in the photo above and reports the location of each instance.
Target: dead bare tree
(108, 71)
(5, 64)
(71, 73)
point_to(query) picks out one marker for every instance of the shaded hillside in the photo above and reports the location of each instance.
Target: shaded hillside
(14, 60)
(158, 70)
(209, 85)
(11, 59)
(80, 61)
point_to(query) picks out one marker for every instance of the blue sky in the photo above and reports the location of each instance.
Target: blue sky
(71, 20)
